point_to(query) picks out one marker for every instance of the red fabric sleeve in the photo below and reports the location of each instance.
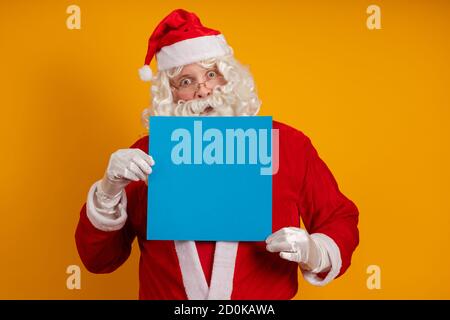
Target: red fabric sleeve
(105, 251)
(101, 251)
(324, 209)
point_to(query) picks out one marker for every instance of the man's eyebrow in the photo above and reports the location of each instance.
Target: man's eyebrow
(180, 76)
(190, 75)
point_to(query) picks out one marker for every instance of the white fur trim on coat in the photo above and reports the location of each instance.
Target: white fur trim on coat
(191, 270)
(223, 271)
(193, 276)
(329, 246)
(99, 220)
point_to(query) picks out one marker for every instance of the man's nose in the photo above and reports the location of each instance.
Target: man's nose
(202, 91)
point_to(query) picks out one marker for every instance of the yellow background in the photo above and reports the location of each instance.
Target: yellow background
(374, 102)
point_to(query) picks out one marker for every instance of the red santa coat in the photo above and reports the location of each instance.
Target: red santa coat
(303, 187)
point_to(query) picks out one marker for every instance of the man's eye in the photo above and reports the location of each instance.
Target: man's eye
(185, 82)
(212, 74)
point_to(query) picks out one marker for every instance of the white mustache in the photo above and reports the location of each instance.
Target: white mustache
(221, 103)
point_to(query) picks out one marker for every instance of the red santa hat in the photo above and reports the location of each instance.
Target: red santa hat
(180, 39)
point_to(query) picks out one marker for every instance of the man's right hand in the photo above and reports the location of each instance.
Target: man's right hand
(125, 165)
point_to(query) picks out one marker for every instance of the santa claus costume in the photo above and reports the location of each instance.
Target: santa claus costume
(303, 188)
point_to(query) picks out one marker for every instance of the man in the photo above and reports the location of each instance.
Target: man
(198, 75)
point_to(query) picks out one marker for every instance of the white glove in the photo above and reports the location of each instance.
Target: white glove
(295, 244)
(125, 165)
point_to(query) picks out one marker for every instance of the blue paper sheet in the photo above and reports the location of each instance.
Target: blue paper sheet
(210, 180)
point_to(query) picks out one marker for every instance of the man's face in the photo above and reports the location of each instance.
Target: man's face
(196, 82)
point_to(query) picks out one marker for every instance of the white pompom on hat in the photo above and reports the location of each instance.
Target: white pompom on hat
(181, 39)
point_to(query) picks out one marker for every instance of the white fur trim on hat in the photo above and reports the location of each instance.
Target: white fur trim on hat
(145, 73)
(192, 50)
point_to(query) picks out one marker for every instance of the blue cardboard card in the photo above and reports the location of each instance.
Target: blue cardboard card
(212, 178)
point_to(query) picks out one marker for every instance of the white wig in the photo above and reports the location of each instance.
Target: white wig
(237, 97)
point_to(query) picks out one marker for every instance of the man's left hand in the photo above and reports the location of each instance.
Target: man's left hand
(295, 244)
